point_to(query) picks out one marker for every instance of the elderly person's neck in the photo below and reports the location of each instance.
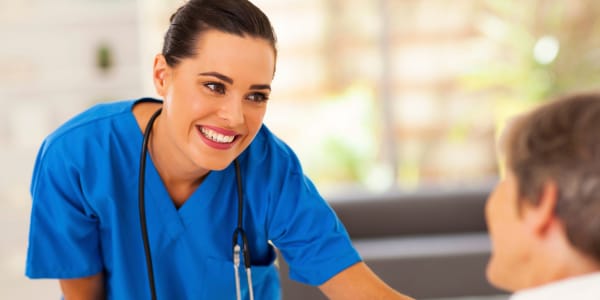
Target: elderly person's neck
(553, 258)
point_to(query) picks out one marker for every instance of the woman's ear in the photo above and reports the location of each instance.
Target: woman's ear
(160, 72)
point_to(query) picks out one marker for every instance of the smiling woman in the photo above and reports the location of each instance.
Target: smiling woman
(220, 91)
(203, 152)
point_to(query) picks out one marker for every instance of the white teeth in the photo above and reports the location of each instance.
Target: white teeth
(216, 137)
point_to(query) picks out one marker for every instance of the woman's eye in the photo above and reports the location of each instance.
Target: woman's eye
(215, 87)
(258, 97)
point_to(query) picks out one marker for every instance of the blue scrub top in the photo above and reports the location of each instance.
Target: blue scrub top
(85, 220)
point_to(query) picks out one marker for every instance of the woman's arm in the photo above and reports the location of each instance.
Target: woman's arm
(91, 287)
(359, 282)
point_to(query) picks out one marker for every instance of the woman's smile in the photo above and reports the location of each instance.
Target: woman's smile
(218, 138)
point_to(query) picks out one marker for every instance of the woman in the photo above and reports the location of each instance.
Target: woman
(213, 177)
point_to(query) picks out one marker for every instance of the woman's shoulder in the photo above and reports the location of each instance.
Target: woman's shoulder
(268, 149)
(108, 118)
(94, 114)
(267, 142)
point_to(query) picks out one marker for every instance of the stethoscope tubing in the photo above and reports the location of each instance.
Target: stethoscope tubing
(142, 206)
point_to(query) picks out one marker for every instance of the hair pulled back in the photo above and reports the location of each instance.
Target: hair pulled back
(238, 17)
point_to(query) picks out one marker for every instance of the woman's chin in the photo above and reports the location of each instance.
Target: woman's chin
(214, 165)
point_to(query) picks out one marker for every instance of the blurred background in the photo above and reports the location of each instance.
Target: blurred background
(374, 95)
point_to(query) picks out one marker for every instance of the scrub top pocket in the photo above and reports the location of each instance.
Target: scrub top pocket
(221, 281)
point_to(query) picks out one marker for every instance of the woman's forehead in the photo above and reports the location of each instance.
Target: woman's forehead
(229, 53)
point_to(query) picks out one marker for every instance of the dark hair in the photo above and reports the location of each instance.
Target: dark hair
(239, 17)
(560, 142)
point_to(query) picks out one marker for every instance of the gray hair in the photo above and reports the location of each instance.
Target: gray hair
(560, 142)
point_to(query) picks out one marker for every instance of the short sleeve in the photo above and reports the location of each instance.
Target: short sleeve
(63, 233)
(308, 233)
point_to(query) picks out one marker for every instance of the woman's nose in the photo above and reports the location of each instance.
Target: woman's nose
(232, 111)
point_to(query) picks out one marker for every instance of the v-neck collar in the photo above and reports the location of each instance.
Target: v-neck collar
(177, 219)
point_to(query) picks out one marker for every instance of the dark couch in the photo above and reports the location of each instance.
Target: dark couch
(427, 244)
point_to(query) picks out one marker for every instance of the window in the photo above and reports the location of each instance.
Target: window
(379, 95)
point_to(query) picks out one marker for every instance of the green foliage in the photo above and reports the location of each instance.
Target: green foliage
(104, 57)
(518, 72)
(514, 79)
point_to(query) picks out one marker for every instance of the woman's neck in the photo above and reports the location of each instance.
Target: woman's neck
(179, 175)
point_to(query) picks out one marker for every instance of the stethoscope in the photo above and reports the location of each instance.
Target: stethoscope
(238, 233)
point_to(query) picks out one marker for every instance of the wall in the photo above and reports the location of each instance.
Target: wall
(48, 63)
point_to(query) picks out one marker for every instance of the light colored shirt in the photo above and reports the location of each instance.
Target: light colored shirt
(584, 287)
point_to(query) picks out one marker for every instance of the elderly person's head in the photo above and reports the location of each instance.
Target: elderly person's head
(544, 214)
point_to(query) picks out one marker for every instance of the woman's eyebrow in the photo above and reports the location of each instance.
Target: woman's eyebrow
(218, 75)
(230, 81)
(260, 87)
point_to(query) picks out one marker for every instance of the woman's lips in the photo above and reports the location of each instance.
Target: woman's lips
(218, 138)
